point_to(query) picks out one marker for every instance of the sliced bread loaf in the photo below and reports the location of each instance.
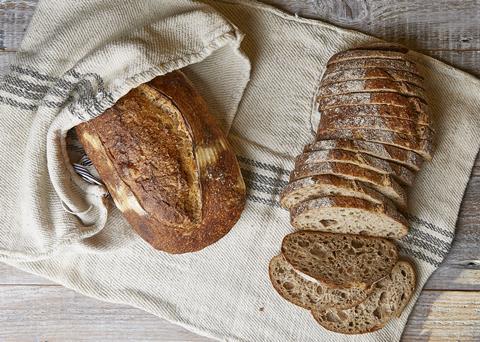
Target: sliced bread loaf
(389, 98)
(326, 185)
(383, 110)
(341, 214)
(371, 73)
(384, 184)
(423, 147)
(387, 301)
(401, 173)
(399, 155)
(371, 85)
(375, 63)
(345, 121)
(340, 260)
(309, 293)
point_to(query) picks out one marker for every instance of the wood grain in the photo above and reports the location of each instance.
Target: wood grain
(33, 308)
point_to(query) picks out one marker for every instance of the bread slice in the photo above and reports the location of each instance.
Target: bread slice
(394, 99)
(375, 63)
(387, 301)
(362, 54)
(401, 173)
(311, 294)
(382, 46)
(381, 110)
(345, 121)
(384, 184)
(326, 185)
(371, 85)
(341, 214)
(340, 260)
(362, 73)
(423, 147)
(408, 158)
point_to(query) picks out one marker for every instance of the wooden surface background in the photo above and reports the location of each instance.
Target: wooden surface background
(33, 309)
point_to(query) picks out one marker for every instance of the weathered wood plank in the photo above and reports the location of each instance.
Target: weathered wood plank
(43, 313)
(445, 316)
(438, 315)
(5, 59)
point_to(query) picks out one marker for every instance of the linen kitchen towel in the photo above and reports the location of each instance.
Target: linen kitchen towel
(259, 71)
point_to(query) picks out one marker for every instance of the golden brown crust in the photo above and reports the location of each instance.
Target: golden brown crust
(382, 63)
(371, 73)
(167, 165)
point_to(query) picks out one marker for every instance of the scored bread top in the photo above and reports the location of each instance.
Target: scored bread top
(387, 301)
(340, 260)
(167, 165)
(309, 293)
(362, 54)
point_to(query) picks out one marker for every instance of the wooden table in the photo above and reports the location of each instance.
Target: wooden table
(33, 309)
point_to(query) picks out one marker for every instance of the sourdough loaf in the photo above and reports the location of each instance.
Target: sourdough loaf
(349, 215)
(408, 158)
(401, 173)
(387, 301)
(306, 292)
(340, 260)
(384, 184)
(167, 165)
(307, 188)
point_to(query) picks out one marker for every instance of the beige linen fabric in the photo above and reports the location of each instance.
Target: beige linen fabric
(79, 57)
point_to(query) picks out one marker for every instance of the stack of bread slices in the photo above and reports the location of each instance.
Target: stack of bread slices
(348, 192)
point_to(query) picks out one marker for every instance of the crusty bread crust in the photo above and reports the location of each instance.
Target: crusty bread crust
(371, 85)
(387, 98)
(324, 185)
(422, 146)
(362, 73)
(385, 184)
(385, 302)
(362, 54)
(310, 294)
(398, 171)
(398, 125)
(167, 165)
(405, 157)
(375, 63)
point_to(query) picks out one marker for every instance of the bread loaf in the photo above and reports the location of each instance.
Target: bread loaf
(382, 63)
(363, 54)
(167, 165)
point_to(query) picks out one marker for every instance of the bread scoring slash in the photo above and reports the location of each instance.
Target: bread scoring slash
(167, 165)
